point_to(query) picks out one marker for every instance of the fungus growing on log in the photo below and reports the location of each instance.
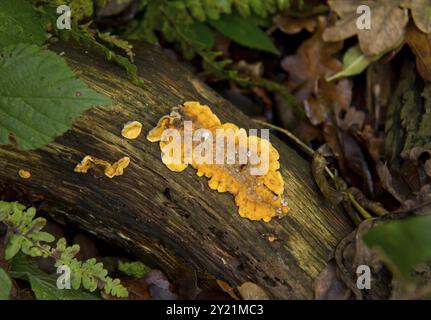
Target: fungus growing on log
(24, 174)
(132, 130)
(189, 131)
(116, 169)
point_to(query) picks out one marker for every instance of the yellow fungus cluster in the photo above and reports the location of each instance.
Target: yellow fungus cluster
(258, 197)
(110, 170)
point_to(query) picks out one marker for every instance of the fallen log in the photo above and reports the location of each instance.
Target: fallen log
(170, 217)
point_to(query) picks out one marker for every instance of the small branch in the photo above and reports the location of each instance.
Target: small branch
(309, 151)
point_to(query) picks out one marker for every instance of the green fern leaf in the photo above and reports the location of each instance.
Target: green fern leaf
(15, 243)
(5, 285)
(133, 269)
(243, 7)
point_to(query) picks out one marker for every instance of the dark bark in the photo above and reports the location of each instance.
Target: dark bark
(174, 217)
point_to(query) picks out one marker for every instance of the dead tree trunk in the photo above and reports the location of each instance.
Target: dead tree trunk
(174, 217)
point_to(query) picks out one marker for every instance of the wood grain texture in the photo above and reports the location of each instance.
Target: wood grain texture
(174, 217)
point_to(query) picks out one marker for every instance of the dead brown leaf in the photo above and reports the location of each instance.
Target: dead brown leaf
(352, 252)
(312, 61)
(332, 98)
(159, 286)
(292, 25)
(356, 160)
(251, 291)
(328, 286)
(318, 169)
(387, 24)
(421, 13)
(138, 289)
(420, 43)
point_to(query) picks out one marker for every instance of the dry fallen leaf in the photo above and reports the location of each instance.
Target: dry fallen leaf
(159, 286)
(132, 130)
(420, 43)
(292, 25)
(388, 21)
(328, 286)
(421, 13)
(328, 98)
(251, 291)
(312, 61)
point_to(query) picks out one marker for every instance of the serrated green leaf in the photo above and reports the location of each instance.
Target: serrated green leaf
(19, 23)
(405, 243)
(5, 285)
(39, 96)
(44, 285)
(245, 32)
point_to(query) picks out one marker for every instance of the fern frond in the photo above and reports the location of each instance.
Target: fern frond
(25, 235)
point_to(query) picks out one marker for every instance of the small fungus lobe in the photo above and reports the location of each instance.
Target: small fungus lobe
(90, 162)
(24, 174)
(132, 130)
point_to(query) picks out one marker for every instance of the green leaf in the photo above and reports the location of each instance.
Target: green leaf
(354, 62)
(200, 34)
(114, 288)
(5, 285)
(405, 243)
(245, 32)
(39, 96)
(133, 269)
(44, 285)
(19, 23)
(14, 245)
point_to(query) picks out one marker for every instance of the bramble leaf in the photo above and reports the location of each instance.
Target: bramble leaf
(19, 23)
(39, 96)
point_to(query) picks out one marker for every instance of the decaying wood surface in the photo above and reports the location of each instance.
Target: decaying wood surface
(170, 217)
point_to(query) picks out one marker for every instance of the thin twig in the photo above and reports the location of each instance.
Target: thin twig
(310, 152)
